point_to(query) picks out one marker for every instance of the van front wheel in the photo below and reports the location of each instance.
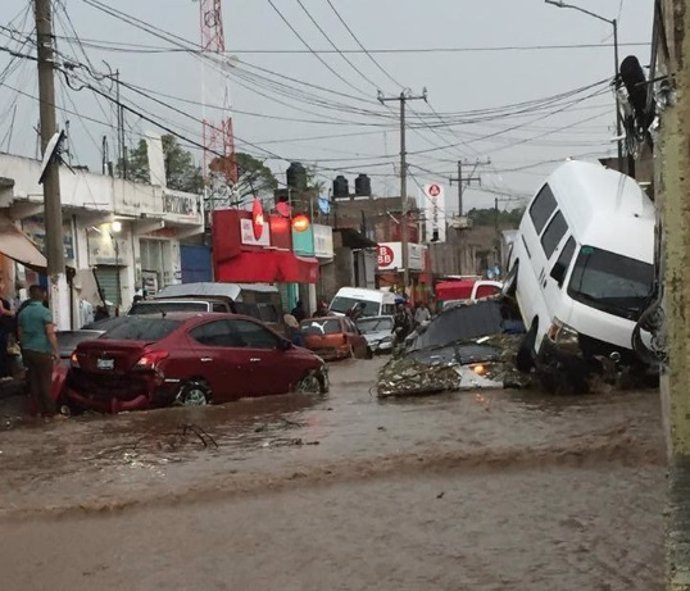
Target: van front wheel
(525, 354)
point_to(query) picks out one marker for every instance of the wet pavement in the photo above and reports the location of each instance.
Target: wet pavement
(471, 490)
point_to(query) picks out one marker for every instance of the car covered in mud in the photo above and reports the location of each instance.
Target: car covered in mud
(468, 346)
(188, 359)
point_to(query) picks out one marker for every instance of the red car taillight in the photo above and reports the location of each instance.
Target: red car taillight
(151, 359)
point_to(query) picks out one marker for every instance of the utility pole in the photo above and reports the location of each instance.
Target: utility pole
(404, 96)
(672, 162)
(55, 253)
(460, 180)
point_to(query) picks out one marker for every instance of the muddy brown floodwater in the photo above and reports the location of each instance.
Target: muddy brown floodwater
(476, 490)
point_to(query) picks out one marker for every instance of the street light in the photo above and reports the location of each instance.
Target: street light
(614, 24)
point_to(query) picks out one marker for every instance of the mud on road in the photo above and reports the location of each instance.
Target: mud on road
(472, 490)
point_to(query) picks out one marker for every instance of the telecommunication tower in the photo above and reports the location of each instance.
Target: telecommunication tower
(218, 135)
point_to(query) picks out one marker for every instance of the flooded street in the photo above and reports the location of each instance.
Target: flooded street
(471, 490)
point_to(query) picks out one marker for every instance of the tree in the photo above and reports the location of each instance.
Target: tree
(181, 173)
(254, 177)
(487, 216)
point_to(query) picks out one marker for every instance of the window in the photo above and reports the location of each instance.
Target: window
(321, 327)
(611, 282)
(553, 234)
(542, 208)
(388, 310)
(560, 267)
(344, 304)
(350, 327)
(215, 334)
(218, 307)
(247, 309)
(142, 329)
(253, 335)
(268, 312)
(166, 307)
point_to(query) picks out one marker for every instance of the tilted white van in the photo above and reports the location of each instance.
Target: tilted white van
(582, 269)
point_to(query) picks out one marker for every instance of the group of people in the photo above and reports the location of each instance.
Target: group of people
(405, 320)
(31, 327)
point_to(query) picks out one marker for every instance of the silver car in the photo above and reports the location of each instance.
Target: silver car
(378, 331)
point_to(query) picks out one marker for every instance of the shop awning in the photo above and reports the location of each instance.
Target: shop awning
(17, 246)
(268, 266)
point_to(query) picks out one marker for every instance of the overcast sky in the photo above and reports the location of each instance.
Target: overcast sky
(275, 124)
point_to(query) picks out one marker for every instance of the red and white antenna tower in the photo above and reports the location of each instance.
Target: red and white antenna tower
(218, 136)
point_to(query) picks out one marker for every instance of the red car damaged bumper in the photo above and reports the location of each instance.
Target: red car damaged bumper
(147, 390)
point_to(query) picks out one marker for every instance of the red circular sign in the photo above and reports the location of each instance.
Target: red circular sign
(434, 190)
(385, 256)
(257, 219)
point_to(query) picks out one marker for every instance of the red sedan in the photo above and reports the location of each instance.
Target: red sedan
(189, 359)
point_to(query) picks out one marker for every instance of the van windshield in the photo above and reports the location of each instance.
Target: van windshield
(611, 282)
(343, 305)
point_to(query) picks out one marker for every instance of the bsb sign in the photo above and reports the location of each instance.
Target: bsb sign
(390, 256)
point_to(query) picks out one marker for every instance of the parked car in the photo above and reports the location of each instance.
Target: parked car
(334, 337)
(375, 302)
(452, 293)
(188, 359)
(582, 271)
(258, 300)
(378, 331)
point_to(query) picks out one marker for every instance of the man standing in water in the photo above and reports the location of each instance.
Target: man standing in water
(39, 349)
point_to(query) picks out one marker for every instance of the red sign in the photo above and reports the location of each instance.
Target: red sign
(257, 218)
(434, 190)
(385, 256)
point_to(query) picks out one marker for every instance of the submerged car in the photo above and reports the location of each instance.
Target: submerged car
(188, 359)
(334, 337)
(378, 331)
(471, 345)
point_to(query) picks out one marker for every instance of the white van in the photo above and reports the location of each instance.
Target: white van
(582, 268)
(376, 302)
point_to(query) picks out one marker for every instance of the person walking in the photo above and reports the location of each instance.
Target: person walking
(6, 329)
(39, 349)
(298, 311)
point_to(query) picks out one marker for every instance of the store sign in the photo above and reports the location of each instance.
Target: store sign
(390, 256)
(323, 241)
(248, 237)
(434, 204)
(179, 204)
(33, 227)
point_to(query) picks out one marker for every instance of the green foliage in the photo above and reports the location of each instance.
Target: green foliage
(487, 216)
(255, 177)
(181, 173)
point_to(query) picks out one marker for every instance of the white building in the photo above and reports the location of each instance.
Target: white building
(120, 236)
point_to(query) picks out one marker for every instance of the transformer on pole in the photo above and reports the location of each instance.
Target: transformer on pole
(218, 135)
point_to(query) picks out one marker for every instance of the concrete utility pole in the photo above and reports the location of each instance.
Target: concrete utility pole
(469, 179)
(673, 180)
(55, 253)
(404, 96)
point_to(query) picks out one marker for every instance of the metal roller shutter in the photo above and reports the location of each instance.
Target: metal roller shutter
(107, 279)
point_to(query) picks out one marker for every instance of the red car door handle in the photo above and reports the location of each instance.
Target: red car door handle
(206, 359)
(254, 359)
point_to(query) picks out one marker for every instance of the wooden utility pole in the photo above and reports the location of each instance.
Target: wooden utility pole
(403, 98)
(54, 244)
(462, 181)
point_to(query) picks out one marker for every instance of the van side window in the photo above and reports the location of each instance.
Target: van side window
(542, 208)
(560, 267)
(553, 234)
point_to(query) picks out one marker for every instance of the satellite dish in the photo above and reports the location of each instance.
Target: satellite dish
(52, 151)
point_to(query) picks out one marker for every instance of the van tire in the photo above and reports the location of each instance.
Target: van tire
(524, 359)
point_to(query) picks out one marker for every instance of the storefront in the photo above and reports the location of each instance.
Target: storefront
(389, 270)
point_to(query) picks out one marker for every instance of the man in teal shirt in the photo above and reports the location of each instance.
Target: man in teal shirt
(39, 349)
